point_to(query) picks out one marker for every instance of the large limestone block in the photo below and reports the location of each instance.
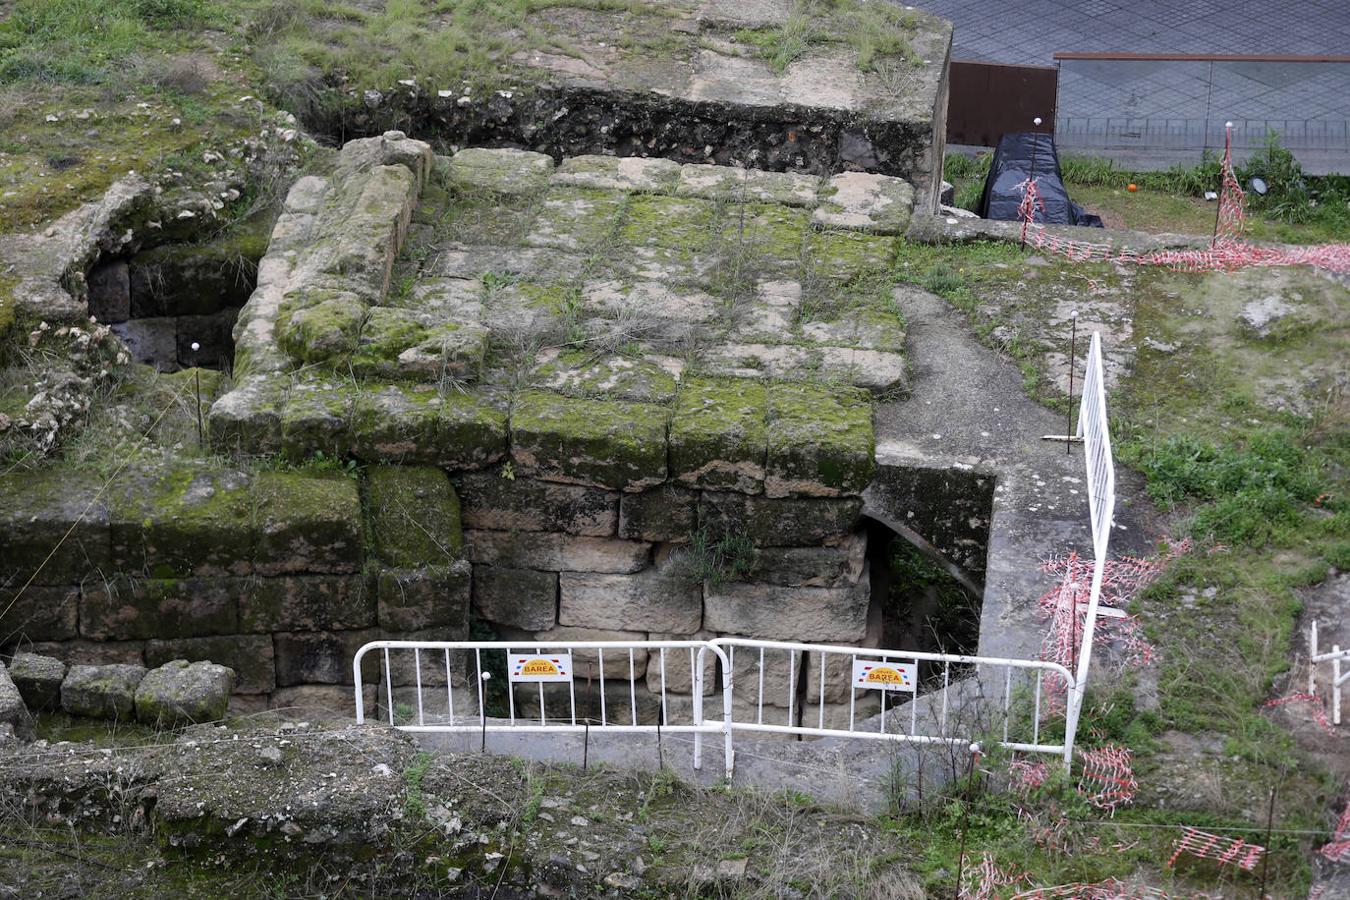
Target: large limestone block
(865, 201)
(821, 441)
(651, 309)
(308, 524)
(495, 502)
(38, 679)
(182, 521)
(746, 185)
(719, 434)
(582, 373)
(626, 173)
(781, 522)
(313, 329)
(37, 508)
(322, 657)
(518, 598)
(576, 219)
(181, 693)
(101, 692)
(874, 370)
(607, 444)
(766, 676)
(842, 256)
(306, 603)
(366, 241)
(776, 612)
(39, 612)
(13, 712)
(665, 513)
(414, 599)
(505, 171)
(248, 418)
(413, 515)
(403, 343)
(656, 599)
(545, 551)
(249, 656)
(827, 566)
(138, 608)
(393, 148)
(586, 662)
(399, 423)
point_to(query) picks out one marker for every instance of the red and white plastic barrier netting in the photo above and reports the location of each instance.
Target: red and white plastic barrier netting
(1108, 779)
(1065, 608)
(1316, 711)
(1338, 851)
(1223, 850)
(1228, 252)
(982, 882)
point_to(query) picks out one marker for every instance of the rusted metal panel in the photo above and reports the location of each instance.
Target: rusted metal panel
(989, 99)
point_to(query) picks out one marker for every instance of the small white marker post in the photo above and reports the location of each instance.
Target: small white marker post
(197, 378)
(482, 747)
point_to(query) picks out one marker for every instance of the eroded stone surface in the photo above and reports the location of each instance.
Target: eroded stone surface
(180, 692)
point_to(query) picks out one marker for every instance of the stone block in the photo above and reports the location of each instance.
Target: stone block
(322, 330)
(317, 418)
(306, 603)
(419, 425)
(183, 693)
(608, 444)
(518, 598)
(320, 701)
(576, 219)
(13, 711)
(110, 292)
(101, 692)
(403, 343)
(404, 663)
(584, 374)
(666, 513)
(828, 566)
(660, 310)
(726, 183)
(718, 434)
(183, 520)
(494, 502)
(874, 328)
(37, 509)
(846, 255)
(876, 371)
(92, 653)
(776, 612)
(250, 656)
(40, 613)
(656, 599)
(151, 342)
(682, 225)
(821, 441)
(414, 599)
(865, 201)
(364, 244)
(307, 524)
(546, 551)
(627, 173)
(505, 171)
(413, 514)
(139, 608)
(322, 657)
(766, 237)
(392, 148)
(679, 665)
(213, 335)
(587, 662)
(248, 418)
(781, 522)
(38, 679)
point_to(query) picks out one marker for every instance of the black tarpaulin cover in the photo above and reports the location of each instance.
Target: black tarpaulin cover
(1018, 157)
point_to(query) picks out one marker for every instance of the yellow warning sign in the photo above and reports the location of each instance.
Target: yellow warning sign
(883, 675)
(553, 667)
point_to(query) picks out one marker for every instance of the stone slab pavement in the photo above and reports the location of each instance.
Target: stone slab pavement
(1154, 113)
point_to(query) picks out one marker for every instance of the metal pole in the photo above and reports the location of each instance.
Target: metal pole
(1265, 858)
(197, 378)
(1073, 354)
(586, 746)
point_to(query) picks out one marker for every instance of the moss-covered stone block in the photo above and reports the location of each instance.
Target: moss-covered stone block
(249, 655)
(718, 434)
(576, 219)
(413, 515)
(577, 373)
(37, 509)
(325, 331)
(623, 173)
(364, 238)
(495, 502)
(866, 201)
(780, 522)
(603, 443)
(471, 429)
(137, 609)
(517, 598)
(306, 603)
(182, 693)
(821, 441)
(413, 599)
(101, 692)
(317, 418)
(846, 255)
(668, 513)
(684, 225)
(183, 520)
(765, 236)
(41, 612)
(395, 423)
(727, 183)
(248, 418)
(307, 524)
(503, 171)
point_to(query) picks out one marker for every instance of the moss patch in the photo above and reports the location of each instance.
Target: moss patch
(413, 515)
(719, 435)
(605, 443)
(820, 440)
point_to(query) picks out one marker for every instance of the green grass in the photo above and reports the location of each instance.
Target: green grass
(877, 33)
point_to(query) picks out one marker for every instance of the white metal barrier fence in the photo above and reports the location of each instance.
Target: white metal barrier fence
(1094, 429)
(1339, 674)
(694, 687)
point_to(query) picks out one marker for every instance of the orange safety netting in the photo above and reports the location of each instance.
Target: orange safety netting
(1223, 850)
(1228, 252)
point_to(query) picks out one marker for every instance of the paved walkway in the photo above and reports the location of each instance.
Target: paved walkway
(1151, 114)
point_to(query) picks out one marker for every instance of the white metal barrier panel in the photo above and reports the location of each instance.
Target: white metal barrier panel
(718, 687)
(1340, 670)
(575, 686)
(821, 690)
(1094, 428)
